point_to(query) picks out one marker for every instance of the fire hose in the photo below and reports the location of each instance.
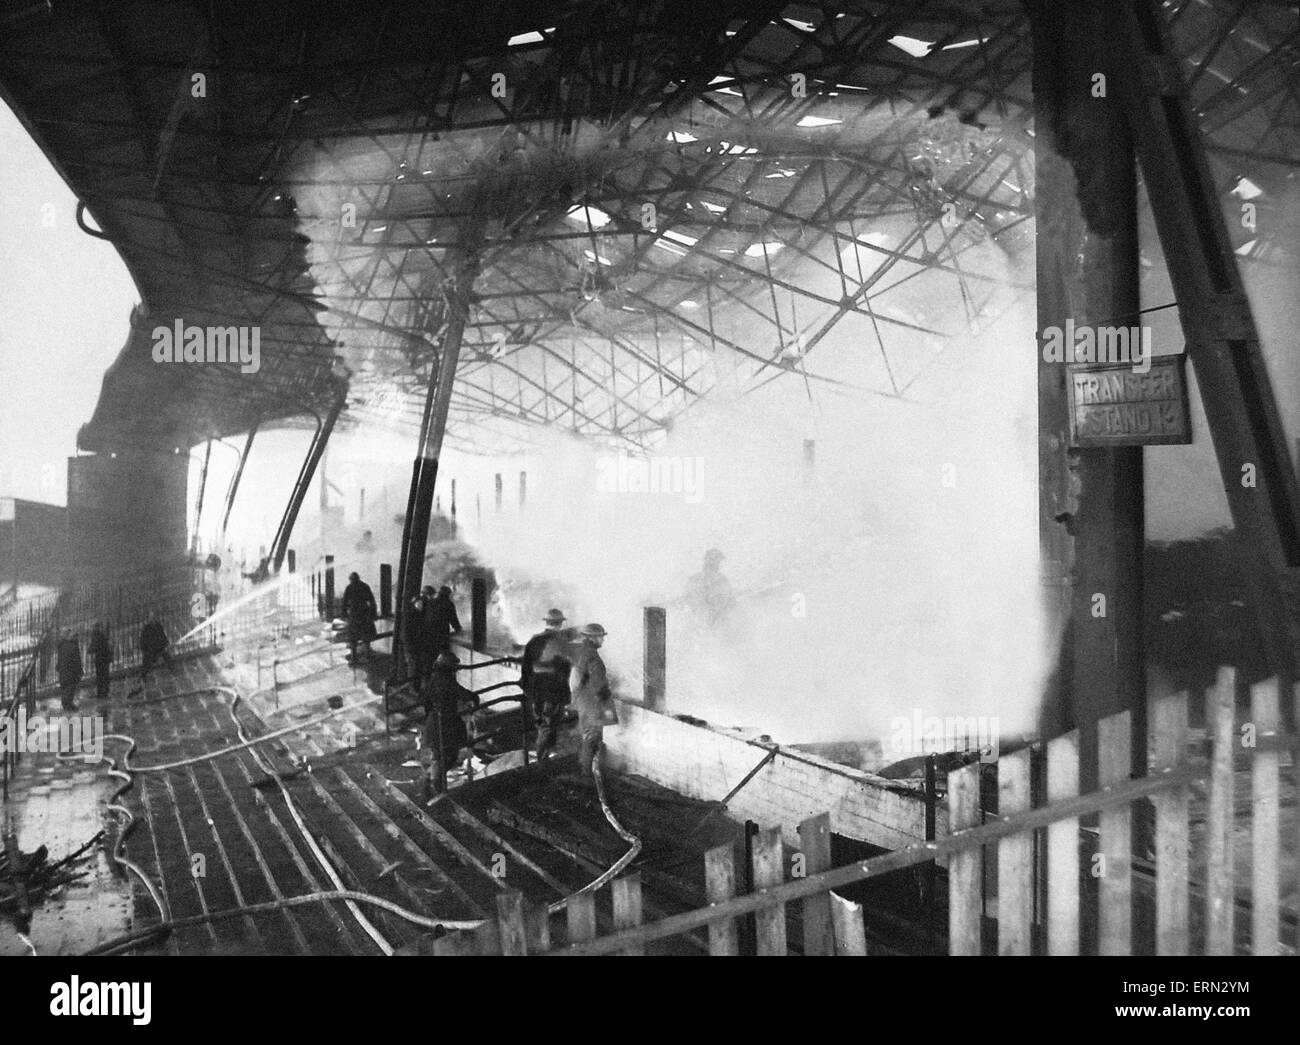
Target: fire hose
(351, 897)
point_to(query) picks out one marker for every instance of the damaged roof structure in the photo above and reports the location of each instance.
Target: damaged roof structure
(581, 216)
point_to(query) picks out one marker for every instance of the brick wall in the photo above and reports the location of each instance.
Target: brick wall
(703, 763)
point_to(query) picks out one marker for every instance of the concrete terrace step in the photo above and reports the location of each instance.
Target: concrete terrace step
(537, 829)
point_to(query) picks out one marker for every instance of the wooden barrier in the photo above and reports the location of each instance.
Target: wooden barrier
(1035, 912)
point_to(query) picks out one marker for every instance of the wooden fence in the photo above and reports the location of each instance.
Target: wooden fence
(1060, 881)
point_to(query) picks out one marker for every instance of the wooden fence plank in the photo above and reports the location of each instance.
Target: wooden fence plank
(580, 910)
(1167, 743)
(456, 944)
(913, 855)
(510, 912)
(538, 924)
(1264, 890)
(487, 938)
(627, 907)
(1063, 848)
(815, 842)
(1219, 900)
(720, 886)
(847, 927)
(769, 870)
(964, 885)
(1015, 859)
(1115, 891)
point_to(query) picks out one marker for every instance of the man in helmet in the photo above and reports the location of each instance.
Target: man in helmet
(442, 621)
(444, 733)
(589, 685)
(418, 628)
(544, 678)
(710, 590)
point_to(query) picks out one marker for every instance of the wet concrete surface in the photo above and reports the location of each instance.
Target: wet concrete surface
(60, 804)
(218, 835)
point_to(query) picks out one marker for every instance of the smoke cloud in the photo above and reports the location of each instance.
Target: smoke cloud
(900, 573)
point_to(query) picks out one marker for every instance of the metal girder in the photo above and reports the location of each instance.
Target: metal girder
(233, 488)
(1222, 339)
(280, 545)
(424, 471)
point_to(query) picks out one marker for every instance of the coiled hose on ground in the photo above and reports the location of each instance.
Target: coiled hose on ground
(167, 923)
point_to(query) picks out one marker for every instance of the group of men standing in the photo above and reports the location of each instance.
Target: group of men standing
(562, 666)
(154, 646)
(430, 623)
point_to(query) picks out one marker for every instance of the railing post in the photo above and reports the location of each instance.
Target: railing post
(293, 561)
(329, 587)
(385, 590)
(478, 614)
(656, 658)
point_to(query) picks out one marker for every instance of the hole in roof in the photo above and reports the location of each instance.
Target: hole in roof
(597, 218)
(534, 37)
(911, 45)
(1245, 189)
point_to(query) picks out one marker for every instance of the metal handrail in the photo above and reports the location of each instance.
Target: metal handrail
(9, 719)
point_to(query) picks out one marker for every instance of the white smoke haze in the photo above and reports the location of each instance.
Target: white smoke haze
(912, 551)
(902, 575)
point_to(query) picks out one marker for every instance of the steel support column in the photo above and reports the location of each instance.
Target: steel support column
(280, 545)
(424, 469)
(198, 503)
(1091, 513)
(234, 481)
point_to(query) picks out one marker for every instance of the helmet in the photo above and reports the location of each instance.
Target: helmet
(554, 616)
(446, 660)
(594, 631)
(427, 590)
(444, 590)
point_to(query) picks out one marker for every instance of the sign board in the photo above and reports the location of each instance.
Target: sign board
(1113, 405)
